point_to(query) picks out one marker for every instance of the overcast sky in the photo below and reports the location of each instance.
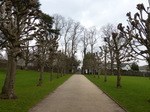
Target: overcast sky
(92, 12)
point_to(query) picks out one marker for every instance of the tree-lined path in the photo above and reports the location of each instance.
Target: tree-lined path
(77, 94)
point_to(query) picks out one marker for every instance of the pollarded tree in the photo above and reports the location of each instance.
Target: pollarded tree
(17, 24)
(43, 37)
(28, 55)
(52, 49)
(122, 52)
(60, 61)
(104, 50)
(138, 31)
(99, 62)
(107, 36)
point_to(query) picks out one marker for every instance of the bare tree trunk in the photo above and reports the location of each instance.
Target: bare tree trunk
(112, 63)
(148, 60)
(26, 65)
(149, 69)
(83, 70)
(64, 71)
(41, 76)
(84, 52)
(51, 74)
(105, 77)
(57, 73)
(60, 72)
(118, 73)
(99, 72)
(66, 48)
(112, 69)
(91, 48)
(8, 88)
(94, 73)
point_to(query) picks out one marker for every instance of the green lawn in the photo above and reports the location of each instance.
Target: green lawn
(133, 95)
(27, 91)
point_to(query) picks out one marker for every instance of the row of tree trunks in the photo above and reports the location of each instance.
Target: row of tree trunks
(59, 74)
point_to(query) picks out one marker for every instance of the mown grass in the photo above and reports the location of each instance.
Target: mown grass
(27, 91)
(133, 95)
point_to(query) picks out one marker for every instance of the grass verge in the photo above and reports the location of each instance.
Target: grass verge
(133, 95)
(27, 91)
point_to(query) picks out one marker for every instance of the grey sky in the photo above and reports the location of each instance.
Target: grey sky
(93, 12)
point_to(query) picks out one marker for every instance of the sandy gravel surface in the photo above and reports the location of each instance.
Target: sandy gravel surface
(77, 94)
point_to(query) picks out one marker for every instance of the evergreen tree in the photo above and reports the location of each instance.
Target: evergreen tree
(135, 67)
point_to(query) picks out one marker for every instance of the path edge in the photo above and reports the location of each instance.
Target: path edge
(30, 110)
(109, 97)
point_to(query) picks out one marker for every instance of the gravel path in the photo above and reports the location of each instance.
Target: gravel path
(77, 94)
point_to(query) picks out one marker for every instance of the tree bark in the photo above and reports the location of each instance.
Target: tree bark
(148, 60)
(118, 74)
(8, 88)
(112, 63)
(41, 76)
(92, 48)
(84, 52)
(26, 65)
(93, 72)
(105, 77)
(99, 72)
(61, 72)
(64, 71)
(51, 74)
(57, 73)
